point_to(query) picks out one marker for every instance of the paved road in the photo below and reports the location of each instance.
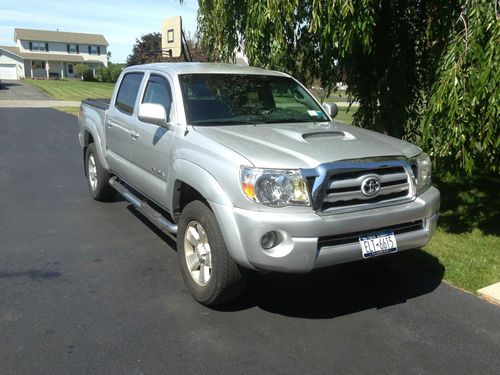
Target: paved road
(19, 90)
(88, 287)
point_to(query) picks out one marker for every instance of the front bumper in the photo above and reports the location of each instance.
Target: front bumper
(300, 252)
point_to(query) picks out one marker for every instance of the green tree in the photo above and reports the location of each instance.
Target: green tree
(110, 73)
(84, 71)
(391, 52)
(463, 115)
(148, 50)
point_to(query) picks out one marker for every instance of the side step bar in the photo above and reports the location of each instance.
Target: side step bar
(144, 208)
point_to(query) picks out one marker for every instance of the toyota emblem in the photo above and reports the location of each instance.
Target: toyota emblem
(370, 186)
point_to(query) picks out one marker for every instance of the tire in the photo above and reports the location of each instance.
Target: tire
(97, 177)
(214, 277)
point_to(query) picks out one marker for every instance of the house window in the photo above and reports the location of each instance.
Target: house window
(38, 64)
(38, 46)
(73, 48)
(70, 68)
(94, 50)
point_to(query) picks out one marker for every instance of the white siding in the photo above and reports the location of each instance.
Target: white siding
(61, 48)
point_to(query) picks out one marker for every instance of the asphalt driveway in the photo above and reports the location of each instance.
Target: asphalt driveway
(92, 288)
(19, 90)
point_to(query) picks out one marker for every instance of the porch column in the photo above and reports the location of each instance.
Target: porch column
(62, 69)
(31, 68)
(47, 68)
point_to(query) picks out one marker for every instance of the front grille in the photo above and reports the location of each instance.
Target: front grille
(353, 237)
(343, 188)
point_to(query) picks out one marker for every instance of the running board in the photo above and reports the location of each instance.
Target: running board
(144, 208)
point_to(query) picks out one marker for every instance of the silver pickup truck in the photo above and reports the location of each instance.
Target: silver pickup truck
(247, 171)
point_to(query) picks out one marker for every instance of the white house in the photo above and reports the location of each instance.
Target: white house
(51, 54)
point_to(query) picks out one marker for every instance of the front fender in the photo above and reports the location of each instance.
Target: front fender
(220, 203)
(200, 180)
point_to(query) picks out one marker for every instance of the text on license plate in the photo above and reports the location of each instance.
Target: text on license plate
(379, 243)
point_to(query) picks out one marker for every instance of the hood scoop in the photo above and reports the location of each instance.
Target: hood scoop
(324, 134)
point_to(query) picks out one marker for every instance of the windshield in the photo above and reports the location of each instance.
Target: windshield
(218, 99)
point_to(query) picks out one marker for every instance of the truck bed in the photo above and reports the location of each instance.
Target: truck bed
(98, 102)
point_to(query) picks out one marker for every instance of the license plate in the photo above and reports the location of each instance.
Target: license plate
(379, 243)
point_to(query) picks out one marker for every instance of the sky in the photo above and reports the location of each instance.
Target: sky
(120, 21)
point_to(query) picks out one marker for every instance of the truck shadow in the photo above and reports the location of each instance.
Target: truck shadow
(6, 85)
(344, 289)
(165, 238)
(335, 291)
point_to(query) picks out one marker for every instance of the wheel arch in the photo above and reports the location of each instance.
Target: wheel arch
(194, 183)
(91, 135)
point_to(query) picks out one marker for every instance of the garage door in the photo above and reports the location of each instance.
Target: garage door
(8, 71)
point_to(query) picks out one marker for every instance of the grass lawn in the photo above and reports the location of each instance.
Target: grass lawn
(467, 242)
(344, 115)
(471, 260)
(71, 110)
(73, 90)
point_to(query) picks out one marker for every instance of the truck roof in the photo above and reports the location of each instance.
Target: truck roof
(208, 68)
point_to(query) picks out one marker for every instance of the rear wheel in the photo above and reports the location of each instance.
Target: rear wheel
(97, 176)
(210, 274)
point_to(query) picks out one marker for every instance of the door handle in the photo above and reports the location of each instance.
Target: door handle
(134, 134)
(110, 124)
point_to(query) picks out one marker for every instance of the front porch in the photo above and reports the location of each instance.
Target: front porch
(51, 69)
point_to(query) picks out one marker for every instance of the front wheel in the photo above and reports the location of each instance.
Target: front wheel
(210, 274)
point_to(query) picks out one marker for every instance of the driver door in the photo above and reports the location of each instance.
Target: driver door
(151, 145)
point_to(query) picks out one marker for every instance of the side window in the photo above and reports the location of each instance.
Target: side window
(127, 93)
(158, 92)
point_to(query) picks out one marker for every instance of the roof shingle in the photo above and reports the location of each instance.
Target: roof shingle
(59, 36)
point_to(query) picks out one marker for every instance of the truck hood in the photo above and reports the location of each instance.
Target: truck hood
(300, 145)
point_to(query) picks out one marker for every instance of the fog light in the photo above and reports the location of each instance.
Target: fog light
(269, 240)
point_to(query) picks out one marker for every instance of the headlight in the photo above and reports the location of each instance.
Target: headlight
(274, 187)
(423, 172)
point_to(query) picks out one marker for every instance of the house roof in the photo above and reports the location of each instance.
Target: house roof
(12, 50)
(44, 56)
(59, 36)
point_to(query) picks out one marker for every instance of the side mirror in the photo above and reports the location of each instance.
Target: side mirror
(153, 113)
(331, 109)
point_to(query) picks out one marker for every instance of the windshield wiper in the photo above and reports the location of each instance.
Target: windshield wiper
(225, 122)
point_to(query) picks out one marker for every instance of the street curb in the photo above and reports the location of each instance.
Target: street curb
(37, 103)
(491, 293)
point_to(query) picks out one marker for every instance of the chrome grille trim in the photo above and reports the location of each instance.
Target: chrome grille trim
(339, 184)
(336, 187)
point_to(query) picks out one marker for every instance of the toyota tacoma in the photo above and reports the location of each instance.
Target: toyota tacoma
(246, 170)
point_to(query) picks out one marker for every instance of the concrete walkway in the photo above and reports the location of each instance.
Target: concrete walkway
(491, 293)
(37, 103)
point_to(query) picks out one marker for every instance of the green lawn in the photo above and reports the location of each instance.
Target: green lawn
(73, 90)
(71, 110)
(471, 260)
(346, 116)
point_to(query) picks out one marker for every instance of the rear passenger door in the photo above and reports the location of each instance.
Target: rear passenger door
(119, 124)
(151, 147)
